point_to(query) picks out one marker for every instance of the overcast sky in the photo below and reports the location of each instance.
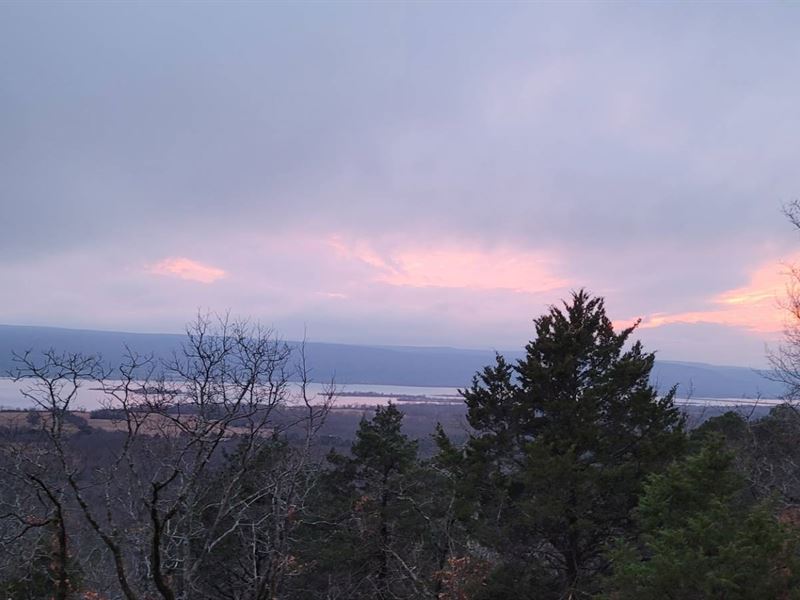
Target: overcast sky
(426, 174)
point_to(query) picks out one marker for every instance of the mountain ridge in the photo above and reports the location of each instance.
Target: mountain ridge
(378, 364)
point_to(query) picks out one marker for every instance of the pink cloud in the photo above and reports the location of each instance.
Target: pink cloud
(186, 268)
(754, 306)
(455, 266)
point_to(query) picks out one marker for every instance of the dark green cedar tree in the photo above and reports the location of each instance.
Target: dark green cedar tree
(702, 537)
(562, 441)
(368, 523)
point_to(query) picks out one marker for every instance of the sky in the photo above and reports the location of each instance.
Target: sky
(402, 173)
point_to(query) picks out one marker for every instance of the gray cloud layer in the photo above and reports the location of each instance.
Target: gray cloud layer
(648, 146)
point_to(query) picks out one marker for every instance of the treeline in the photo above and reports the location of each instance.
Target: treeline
(576, 480)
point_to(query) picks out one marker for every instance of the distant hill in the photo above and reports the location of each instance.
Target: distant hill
(387, 365)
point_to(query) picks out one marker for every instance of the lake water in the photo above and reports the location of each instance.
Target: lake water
(90, 398)
(347, 395)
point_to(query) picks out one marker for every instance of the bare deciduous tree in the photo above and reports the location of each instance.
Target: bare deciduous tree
(187, 476)
(785, 359)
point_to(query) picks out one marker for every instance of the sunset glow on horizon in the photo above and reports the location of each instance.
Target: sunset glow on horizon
(453, 266)
(755, 306)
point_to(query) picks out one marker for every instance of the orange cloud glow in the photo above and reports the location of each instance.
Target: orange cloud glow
(450, 266)
(186, 268)
(755, 306)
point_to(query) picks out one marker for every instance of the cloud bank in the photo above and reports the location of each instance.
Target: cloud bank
(401, 173)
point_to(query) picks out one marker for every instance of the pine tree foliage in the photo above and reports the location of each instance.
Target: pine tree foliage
(561, 445)
(701, 538)
(378, 532)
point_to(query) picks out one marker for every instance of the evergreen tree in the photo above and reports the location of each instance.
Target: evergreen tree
(561, 445)
(371, 538)
(701, 538)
